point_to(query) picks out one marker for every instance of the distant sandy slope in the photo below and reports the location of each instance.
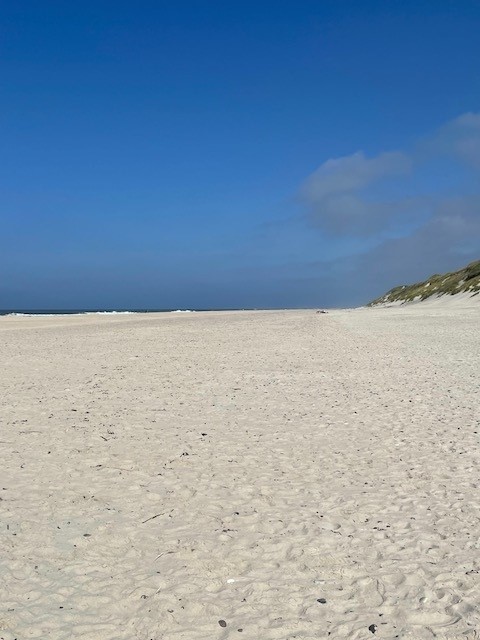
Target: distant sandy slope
(459, 300)
(292, 474)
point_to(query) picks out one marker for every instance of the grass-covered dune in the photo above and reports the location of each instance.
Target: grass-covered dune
(466, 280)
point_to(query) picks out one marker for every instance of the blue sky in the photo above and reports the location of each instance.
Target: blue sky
(235, 154)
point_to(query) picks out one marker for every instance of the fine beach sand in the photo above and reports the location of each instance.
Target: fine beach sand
(293, 474)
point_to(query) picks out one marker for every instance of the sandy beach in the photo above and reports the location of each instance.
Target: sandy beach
(259, 475)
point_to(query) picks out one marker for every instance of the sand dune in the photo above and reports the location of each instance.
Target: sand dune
(257, 475)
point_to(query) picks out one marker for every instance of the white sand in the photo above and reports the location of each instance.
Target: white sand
(340, 461)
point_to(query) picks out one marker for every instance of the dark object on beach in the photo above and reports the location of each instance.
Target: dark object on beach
(321, 311)
(372, 628)
(322, 600)
(222, 623)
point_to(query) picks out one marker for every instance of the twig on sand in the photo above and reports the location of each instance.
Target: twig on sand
(164, 553)
(156, 516)
(153, 517)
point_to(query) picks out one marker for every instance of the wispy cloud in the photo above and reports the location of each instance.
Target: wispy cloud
(351, 196)
(338, 198)
(459, 138)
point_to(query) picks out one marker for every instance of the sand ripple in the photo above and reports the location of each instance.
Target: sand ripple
(294, 475)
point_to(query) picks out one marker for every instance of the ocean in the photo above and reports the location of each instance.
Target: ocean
(77, 312)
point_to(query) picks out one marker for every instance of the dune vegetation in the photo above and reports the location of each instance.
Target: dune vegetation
(466, 280)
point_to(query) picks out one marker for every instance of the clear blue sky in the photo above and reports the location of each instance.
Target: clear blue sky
(234, 154)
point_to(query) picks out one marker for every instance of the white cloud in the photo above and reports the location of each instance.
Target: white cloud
(459, 138)
(348, 196)
(336, 198)
(352, 173)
